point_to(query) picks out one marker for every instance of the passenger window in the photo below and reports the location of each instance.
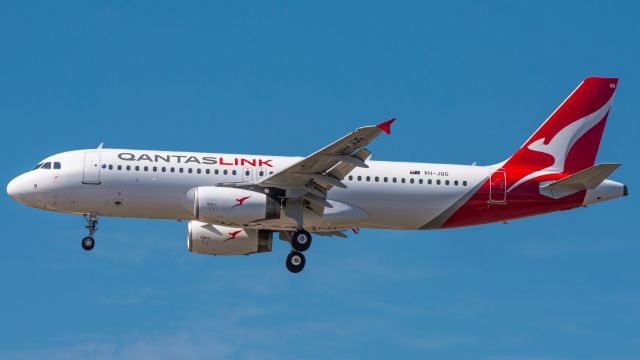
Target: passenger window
(429, 182)
(146, 168)
(173, 169)
(386, 179)
(181, 170)
(190, 170)
(368, 178)
(233, 172)
(261, 173)
(56, 165)
(216, 171)
(377, 178)
(128, 167)
(464, 183)
(164, 169)
(199, 171)
(119, 167)
(46, 165)
(402, 180)
(110, 167)
(350, 177)
(359, 178)
(411, 181)
(208, 171)
(446, 182)
(420, 181)
(438, 182)
(247, 173)
(155, 168)
(137, 168)
(455, 183)
(224, 172)
(395, 180)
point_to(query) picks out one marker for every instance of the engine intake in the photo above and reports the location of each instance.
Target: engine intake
(231, 206)
(203, 238)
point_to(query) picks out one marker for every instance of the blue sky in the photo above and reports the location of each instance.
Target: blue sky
(468, 82)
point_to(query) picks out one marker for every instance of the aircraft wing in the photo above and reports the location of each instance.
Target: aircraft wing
(311, 177)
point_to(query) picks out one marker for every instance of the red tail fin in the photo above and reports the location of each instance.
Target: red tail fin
(568, 140)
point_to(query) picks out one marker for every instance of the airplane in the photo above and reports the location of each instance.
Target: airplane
(235, 203)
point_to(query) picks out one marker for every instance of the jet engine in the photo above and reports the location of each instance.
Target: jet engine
(231, 206)
(203, 238)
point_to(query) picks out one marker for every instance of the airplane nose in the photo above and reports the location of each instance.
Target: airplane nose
(12, 188)
(18, 188)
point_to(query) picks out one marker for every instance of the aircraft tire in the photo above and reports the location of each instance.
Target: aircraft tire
(88, 243)
(301, 240)
(295, 262)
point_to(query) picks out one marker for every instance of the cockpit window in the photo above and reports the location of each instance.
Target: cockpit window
(56, 165)
(37, 166)
(46, 165)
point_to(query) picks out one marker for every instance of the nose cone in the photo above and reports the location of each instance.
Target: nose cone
(12, 188)
(18, 188)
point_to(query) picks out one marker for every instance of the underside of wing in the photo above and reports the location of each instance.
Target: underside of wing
(310, 178)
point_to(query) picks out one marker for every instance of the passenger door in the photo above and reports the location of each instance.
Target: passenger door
(498, 187)
(91, 174)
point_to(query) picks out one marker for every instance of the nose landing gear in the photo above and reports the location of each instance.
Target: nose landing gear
(92, 225)
(88, 243)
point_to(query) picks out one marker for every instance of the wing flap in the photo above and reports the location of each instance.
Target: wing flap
(341, 170)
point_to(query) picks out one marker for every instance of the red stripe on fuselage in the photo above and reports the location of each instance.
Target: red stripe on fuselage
(524, 200)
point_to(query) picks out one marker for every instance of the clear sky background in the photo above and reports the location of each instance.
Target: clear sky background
(468, 82)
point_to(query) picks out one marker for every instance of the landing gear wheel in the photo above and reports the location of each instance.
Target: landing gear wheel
(301, 240)
(88, 243)
(295, 262)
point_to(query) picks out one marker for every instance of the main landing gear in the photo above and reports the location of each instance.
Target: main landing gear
(92, 225)
(300, 241)
(295, 262)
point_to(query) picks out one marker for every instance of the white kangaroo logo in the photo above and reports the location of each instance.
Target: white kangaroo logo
(563, 141)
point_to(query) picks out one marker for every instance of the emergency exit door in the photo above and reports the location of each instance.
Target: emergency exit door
(250, 174)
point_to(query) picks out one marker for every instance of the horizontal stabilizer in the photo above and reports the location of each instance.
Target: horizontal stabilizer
(587, 179)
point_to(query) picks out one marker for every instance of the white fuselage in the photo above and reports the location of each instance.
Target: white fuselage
(153, 184)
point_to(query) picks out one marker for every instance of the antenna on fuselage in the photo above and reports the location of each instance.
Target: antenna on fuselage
(101, 145)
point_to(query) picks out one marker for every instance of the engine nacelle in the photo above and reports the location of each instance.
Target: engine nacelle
(231, 206)
(203, 238)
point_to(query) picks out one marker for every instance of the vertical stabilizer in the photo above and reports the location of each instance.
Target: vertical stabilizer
(568, 141)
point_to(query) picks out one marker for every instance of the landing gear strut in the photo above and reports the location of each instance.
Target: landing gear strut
(92, 225)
